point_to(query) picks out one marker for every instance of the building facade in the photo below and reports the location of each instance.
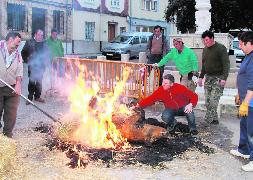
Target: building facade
(145, 14)
(25, 16)
(96, 22)
(102, 20)
(99, 20)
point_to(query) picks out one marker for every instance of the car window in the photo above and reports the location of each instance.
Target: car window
(236, 44)
(121, 39)
(144, 39)
(136, 40)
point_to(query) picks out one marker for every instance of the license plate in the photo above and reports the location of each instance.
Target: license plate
(109, 54)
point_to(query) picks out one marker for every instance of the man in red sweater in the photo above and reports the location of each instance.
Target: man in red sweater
(178, 101)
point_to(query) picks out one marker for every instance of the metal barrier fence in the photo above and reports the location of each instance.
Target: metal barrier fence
(143, 79)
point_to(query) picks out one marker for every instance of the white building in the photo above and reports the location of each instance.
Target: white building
(96, 22)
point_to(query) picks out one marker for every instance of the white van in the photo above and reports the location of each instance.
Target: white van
(237, 51)
(127, 43)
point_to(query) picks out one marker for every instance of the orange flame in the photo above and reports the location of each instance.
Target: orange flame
(97, 129)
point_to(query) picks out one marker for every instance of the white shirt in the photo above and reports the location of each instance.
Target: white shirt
(8, 57)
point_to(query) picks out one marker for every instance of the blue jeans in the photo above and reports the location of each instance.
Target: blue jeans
(168, 116)
(246, 135)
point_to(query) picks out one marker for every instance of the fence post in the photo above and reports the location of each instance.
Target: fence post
(142, 57)
(103, 58)
(125, 57)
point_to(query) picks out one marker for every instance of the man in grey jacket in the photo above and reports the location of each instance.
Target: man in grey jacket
(11, 71)
(157, 48)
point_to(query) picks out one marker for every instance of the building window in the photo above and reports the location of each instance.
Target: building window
(58, 21)
(122, 29)
(89, 31)
(150, 5)
(15, 17)
(115, 3)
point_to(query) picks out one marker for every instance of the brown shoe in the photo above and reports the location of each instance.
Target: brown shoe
(40, 100)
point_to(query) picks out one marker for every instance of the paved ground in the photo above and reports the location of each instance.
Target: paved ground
(35, 161)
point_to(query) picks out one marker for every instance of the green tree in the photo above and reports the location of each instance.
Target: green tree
(245, 18)
(182, 13)
(225, 14)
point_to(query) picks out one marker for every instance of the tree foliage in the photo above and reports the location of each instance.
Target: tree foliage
(181, 12)
(225, 14)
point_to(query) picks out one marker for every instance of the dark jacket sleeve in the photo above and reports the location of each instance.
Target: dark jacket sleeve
(166, 47)
(26, 51)
(203, 70)
(149, 45)
(225, 63)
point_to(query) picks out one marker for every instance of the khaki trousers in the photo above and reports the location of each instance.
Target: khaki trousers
(9, 102)
(188, 83)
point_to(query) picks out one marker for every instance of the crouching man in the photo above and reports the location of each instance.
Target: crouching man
(178, 101)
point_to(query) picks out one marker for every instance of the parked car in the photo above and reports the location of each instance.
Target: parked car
(127, 43)
(237, 51)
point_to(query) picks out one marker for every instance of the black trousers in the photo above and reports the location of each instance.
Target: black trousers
(156, 58)
(34, 89)
(35, 83)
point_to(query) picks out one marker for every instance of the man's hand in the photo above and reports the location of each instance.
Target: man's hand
(134, 106)
(244, 109)
(188, 108)
(200, 83)
(222, 82)
(18, 85)
(237, 100)
(155, 65)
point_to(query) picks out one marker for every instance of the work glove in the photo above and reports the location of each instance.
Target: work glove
(155, 65)
(243, 109)
(237, 100)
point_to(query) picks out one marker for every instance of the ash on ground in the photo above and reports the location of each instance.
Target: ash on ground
(154, 154)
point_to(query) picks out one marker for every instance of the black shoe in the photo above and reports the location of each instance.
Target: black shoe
(40, 100)
(194, 132)
(27, 103)
(215, 122)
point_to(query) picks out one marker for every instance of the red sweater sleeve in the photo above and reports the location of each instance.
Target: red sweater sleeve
(155, 96)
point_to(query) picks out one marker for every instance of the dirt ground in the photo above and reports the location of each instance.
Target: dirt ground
(36, 161)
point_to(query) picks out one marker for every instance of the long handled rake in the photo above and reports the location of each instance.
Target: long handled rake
(32, 103)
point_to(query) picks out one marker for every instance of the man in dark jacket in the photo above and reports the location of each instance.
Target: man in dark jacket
(215, 68)
(36, 54)
(157, 48)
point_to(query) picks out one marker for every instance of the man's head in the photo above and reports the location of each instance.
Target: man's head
(246, 42)
(168, 81)
(178, 44)
(208, 38)
(38, 35)
(54, 34)
(13, 40)
(157, 30)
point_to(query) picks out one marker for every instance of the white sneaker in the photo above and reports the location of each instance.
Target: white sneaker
(235, 152)
(248, 167)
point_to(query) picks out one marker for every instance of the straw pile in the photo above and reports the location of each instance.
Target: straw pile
(7, 155)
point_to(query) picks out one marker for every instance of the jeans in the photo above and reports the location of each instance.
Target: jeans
(168, 116)
(246, 135)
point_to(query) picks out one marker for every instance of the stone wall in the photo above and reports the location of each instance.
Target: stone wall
(48, 6)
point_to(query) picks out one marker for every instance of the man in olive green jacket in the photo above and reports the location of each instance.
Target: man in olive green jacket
(56, 49)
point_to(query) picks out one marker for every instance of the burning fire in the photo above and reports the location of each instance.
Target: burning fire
(96, 128)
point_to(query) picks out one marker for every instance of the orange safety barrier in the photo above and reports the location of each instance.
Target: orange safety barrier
(142, 81)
